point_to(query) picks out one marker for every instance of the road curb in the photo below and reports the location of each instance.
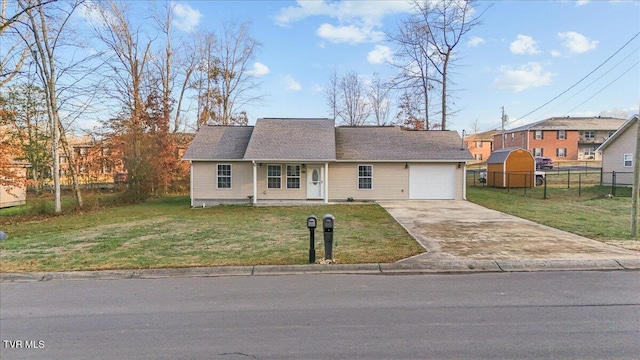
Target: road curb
(398, 268)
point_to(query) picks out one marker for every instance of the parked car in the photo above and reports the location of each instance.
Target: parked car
(541, 177)
(543, 163)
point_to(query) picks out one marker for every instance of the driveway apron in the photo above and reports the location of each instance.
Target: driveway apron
(454, 230)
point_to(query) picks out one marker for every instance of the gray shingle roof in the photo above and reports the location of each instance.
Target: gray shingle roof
(219, 143)
(572, 123)
(499, 156)
(395, 144)
(292, 139)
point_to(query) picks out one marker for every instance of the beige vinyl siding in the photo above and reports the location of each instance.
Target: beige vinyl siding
(14, 196)
(613, 156)
(460, 185)
(204, 181)
(390, 182)
(283, 193)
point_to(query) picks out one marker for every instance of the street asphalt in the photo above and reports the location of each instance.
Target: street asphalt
(448, 230)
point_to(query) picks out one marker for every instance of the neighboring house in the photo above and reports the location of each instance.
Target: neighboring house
(618, 153)
(312, 160)
(563, 138)
(14, 195)
(480, 145)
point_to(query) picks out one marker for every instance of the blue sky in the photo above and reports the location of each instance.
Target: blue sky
(523, 55)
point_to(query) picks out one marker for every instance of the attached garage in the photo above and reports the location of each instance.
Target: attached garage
(432, 182)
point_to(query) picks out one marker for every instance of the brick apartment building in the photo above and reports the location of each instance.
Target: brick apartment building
(480, 144)
(561, 138)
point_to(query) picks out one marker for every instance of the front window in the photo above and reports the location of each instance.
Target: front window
(537, 135)
(224, 176)
(274, 177)
(293, 176)
(562, 134)
(561, 152)
(365, 177)
(628, 160)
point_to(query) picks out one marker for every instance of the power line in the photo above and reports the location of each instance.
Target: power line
(579, 81)
(606, 86)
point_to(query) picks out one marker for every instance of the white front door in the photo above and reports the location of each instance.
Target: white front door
(314, 182)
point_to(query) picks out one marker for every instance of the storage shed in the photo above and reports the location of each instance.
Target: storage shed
(511, 167)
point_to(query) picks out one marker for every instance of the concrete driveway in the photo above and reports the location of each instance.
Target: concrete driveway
(456, 230)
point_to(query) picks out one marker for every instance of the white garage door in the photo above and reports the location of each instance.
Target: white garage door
(432, 182)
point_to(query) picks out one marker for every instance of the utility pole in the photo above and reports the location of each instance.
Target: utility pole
(503, 121)
(636, 180)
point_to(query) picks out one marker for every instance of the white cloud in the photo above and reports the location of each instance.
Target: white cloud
(348, 34)
(259, 69)
(291, 83)
(365, 12)
(524, 45)
(357, 21)
(316, 89)
(475, 41)
(577, 43)
(186, 17)
(526, 76)
(582, 2)
(556, 53)
(380, 54)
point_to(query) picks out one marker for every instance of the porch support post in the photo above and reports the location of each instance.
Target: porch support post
(326, 182)
(191, 181)
(255, 182)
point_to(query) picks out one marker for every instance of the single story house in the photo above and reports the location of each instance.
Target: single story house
(313, 160)
(618, 153)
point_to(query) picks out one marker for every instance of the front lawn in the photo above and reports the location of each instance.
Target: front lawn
(167, 233)
(591, 214)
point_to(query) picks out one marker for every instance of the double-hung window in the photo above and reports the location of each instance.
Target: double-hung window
(561, 152)
(224, 176)
(274, 177)
(293, 176)
(365, 177)
(628, 160)
(562, 134)
(537, 135)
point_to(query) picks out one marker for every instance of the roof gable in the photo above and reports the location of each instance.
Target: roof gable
(292, 139)
(572, 123)
(618, 132)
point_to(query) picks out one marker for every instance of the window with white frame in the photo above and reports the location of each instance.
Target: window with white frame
(561, 152)
(589, 134)
(562, 134)
(365, 177)
(478, 157)
(538, 152)
(628, 160)
(224, 176)
(478, 144)
(590, 152)
(274, 177)
(293, 176)
(537, 135)
(513, 135)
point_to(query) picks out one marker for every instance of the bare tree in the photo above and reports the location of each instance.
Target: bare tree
(427, 41)
(379, 100)
(331, 94)
(412, 58)
(46, 27)
(354, 109)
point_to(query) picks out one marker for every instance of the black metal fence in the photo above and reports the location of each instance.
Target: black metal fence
(597, 181)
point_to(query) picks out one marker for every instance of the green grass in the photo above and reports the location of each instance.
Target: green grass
(167, 233)
(591, 214)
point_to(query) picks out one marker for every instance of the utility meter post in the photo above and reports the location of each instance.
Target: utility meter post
(327, 224)
(312, 223)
